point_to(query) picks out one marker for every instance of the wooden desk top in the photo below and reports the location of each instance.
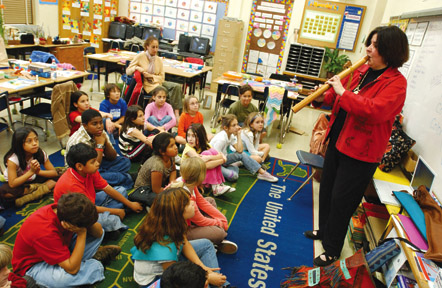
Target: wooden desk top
(44, 45)
(121, 57)
(18, 46)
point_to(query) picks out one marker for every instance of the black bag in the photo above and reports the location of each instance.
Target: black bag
(27, 38)
(143, 195)
(398, 146)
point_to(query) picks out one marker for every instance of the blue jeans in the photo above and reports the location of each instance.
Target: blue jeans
(91, 270)
(231, 172)
(108, 221)
(115, 172)
(206, 252)
(157, 123)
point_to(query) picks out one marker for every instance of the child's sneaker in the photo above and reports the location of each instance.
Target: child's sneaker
(219, 190)
(227, 247)
(266, 176)
(237, 164)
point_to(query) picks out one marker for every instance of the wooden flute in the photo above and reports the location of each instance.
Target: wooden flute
(325, 87)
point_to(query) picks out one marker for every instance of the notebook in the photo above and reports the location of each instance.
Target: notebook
(423, 175)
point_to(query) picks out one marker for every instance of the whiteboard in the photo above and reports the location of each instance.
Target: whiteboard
(423, 105)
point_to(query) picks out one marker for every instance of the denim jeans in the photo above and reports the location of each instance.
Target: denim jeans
(231, 172)
(108, 221)
(157, 123)
(115, 172)
(206, 252)
(91, 270)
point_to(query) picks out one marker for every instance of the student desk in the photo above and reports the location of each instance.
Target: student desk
(258, 94)
(113, 60)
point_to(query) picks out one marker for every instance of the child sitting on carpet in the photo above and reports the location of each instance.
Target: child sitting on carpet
(159, 170)
(161, 240)
(207, 222)
(198, 146)
(159, 114)
(244, 106)
(189, 116)
(116, 106)
(251, 136)
(83, 177)
(132, 141)
(182, 274)
(46, 250)
(226, 143)
(23, 174)
(79, 104)
(113, 168)
(7, 278)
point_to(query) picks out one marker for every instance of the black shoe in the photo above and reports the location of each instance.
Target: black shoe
(310, 235)
(321, 263)
(112, 235)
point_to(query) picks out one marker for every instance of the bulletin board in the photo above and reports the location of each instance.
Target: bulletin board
(266, 36)
(88, 19)
(331, 24)
(194, 17)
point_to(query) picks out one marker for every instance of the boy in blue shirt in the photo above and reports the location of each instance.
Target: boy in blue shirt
(116, 106)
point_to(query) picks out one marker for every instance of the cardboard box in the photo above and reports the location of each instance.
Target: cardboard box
(409, 161)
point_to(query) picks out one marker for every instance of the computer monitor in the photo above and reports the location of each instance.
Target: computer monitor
(199, 45)
(184, 43)
(423, 175)
(151, 31)
(117, 30)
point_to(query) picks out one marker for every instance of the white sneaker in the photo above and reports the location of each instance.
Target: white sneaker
(266, 176)
(220, 190)
(227, 247)
(237, 164)
(177, 160)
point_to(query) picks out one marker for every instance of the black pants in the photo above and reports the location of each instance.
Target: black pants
(343, 183)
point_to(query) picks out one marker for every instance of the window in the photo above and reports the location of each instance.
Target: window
(18, 11)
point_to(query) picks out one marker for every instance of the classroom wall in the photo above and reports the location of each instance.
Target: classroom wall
(46, 15)
(397, 7)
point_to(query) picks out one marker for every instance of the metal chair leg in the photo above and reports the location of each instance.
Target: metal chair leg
(302, 186)
(291, 171)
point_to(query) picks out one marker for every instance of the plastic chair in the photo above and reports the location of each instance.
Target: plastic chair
(309, 159)
(39, 111)
(221, 107)
(198, 79)
(4, 105)
(92, 64)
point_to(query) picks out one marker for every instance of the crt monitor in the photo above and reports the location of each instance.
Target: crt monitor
(117, 30)
(199, 45)
(151, 31)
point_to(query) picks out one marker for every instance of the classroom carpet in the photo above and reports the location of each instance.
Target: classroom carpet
(267, 228)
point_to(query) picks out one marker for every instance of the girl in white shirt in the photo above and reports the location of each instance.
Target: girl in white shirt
(251, 135)
(226, 142)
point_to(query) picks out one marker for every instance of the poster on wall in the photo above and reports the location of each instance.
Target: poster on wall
(194, 17)
(267, 34)
(332, 26)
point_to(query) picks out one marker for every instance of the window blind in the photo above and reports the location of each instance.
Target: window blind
(18, 11)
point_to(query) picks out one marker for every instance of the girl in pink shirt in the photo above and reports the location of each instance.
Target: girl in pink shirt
(159, 114)
(208, 222)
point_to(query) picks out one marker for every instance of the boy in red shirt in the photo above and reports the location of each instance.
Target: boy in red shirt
(83, 177)
(43, 246)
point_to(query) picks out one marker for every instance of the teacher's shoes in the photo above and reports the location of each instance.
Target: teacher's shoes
(325, 260)
(312, 234)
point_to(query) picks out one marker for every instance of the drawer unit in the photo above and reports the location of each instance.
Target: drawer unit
(304, 59)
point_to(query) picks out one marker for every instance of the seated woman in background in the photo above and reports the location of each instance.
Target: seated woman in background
(151, 67)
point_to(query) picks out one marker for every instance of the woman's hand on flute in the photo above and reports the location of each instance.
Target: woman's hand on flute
(319, 98)
(335, 82)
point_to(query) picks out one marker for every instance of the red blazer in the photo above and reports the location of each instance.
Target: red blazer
(370, 113)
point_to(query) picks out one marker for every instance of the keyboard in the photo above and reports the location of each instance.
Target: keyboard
(188, 54)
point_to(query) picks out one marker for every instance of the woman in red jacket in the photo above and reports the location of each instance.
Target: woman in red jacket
(359, 129)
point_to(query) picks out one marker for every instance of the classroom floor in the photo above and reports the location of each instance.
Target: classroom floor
(303, 120)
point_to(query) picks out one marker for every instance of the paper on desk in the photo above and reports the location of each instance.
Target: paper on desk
(100, 55)
(395, 264)
(17, 83)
